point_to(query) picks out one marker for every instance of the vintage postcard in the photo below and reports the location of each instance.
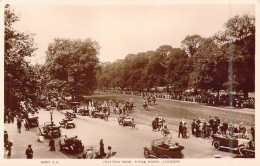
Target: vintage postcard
(129, 82)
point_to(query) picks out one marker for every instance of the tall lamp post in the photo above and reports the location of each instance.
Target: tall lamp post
(51, 143)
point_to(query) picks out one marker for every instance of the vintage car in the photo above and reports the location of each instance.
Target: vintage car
(71, 145)
(49, 130)
(70, 113)
(33, 121)
(160, 149)
(83, 112)
(235, 143)
(67, 123)
(95, 114)
(125, 120)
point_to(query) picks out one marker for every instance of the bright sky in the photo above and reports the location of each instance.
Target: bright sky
(123, 29)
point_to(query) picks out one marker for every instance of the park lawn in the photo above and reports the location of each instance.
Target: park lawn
(175, 111)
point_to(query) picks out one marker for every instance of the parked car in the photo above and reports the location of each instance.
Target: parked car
(70, 113)
(71, 145)
(125, 120)
(243, 146)
(67, 123)
(83, 112)
(49, 130)
(159, 149)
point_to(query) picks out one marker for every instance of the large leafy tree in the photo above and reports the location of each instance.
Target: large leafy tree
(238, 42)
(210, 66)
(74, 64)
(22, 90)
(178, 69)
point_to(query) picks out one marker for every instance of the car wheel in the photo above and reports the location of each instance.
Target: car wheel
(146, 153)
(241, 150)
(216, 145)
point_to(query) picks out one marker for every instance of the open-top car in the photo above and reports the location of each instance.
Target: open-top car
(49, 130)
(235, 143)
(160, 149)
(70, 113)
(67, 123)
(71, 145)
(83, 112)
(33, 121)
(125, 120)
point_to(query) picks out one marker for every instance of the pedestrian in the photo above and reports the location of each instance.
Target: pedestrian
(27, 126)
(9, 149)
(180, 130)
(253, 132)
(101, 149)
(109, 153)
(89, 153)
(193, 125)
(19, 125)
(185, 130)
(225, 127)
(5, 138)
(29, 152)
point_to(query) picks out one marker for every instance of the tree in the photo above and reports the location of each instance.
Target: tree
(210, 67)
(238, 41)
(178, 69)
(22, 90)
(190, 44)
(75, 63)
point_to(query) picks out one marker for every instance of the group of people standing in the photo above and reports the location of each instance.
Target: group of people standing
(203, 128)
(183, 129)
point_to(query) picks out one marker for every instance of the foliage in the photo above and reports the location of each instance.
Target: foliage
(22, 91)
(72, 66)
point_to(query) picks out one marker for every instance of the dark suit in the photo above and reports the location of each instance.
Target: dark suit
(29, 153)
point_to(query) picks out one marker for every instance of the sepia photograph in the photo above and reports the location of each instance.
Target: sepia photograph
(117, 81)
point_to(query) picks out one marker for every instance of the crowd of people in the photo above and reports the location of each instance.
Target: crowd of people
(206, 128)
(223, 99)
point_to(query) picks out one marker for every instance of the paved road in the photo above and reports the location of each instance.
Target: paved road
(127, 142)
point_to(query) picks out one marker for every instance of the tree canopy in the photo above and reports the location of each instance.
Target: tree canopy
(21, 88)
(72, 66)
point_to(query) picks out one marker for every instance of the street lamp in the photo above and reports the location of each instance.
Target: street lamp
(51, 143)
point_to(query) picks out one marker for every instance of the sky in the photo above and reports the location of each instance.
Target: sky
(123, 29)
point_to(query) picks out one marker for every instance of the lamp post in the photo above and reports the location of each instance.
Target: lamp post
(51, 143)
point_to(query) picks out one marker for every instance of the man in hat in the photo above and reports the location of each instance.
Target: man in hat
(29, 152)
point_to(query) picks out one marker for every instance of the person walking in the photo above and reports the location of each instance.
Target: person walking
(29, 152)
(185, 130)
(101, 149)
(9, 149)
(180, 130)
(19, 125)
(5, 139)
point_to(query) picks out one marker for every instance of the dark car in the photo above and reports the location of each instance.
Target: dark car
(235, 143)
(70, 113)
(125, 120)
(159, 149)
(83, 112)
(71, 145)
(33, 121)
(67, 123)
(49, 130)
